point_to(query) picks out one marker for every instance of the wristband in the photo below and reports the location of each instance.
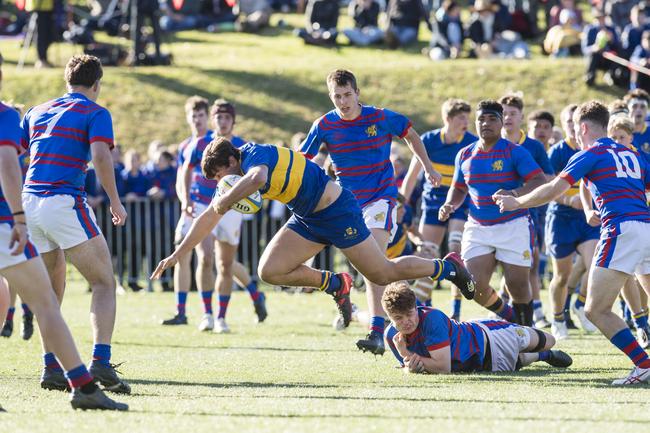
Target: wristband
(20, 212)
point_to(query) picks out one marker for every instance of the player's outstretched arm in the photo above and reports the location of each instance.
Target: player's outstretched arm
(247, 185)
(539, 196)
(414, 142)
(11, 182)
(201, 227)
(103, 162)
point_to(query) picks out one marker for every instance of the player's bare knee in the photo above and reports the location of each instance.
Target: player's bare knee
(225, 267)
(265, 273)
(560, 280)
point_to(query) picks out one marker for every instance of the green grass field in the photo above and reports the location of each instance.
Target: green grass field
(294, 373)
(278, 84)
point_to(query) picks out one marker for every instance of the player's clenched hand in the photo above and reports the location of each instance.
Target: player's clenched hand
(18, 239)
(593, 217)
(414, 363)
(163, 266)
(434, 177)
(445, 211)
(505, 202)
(119, 214)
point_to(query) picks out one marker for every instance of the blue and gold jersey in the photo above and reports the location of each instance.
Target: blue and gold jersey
(559, 155)
(292, 179)
(641, 141)
(443, 157)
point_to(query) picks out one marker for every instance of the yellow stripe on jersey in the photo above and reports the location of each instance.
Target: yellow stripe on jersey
(397, 249)
(447, 172)
(286, 176)
(575, 189)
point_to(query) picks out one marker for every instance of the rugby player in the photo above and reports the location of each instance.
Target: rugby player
(359, 138)
(617, 178)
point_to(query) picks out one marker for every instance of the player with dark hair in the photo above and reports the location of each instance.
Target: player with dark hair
(324, 214)
(62, 136)
(442, 146)
(568, 233)
(617, 178)
(21, 265)
(359, 139)
(540, 126)
(486, 166)
(425, 340)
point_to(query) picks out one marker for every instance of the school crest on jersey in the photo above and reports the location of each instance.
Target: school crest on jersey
(371, 131)
(526, 255)
(350, 233)
(380, 216)
(497, 165)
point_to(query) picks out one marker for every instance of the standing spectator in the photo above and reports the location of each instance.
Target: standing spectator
(597, 38)
(45, 27)
(162, 179)
(322, 20)
(253, 15)
(641, 57)
(404, 18)
(631, 37)
(365, 14)
(447, 33)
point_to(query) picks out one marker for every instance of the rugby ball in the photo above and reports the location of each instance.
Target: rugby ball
(247, 205)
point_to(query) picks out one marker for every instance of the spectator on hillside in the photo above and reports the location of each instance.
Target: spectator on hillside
(554, 18)
(46, 27)
(447, 32)
(489, 36)
(641, 57)
(619, 12)
(365, 14)
(162, 180)
(153, 150)
(322, 20)
(631, 36)
(597, 38)
(135, 180)
(253, 15)
(563, 39)
(404, 18)
(188, 16)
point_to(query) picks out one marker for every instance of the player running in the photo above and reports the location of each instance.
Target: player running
(324, 214)
(442, 146)
(425, 340)
(486, 166)
(62, 136)
(25, 272)
(617, 178)
(359, 138)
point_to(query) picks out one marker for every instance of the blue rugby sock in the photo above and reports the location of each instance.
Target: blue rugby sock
(102, 354)
(442, 269)
(641, 320)
(224, 300)
(627, 344)
(455, 307)
(330, 282)
(252, 290)
(545, 355)
(580, 301)
(51, 362)
(26, 309)
(207, 301)
(181, 300)
(377, 324)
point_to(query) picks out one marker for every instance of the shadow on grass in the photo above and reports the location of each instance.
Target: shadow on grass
(280, 385)
(261, 348)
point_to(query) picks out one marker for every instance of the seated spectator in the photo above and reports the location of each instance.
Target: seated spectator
(322, 20)
(631, 36)
(554, 18)
(365, 14)
(135, 181)
(221, 15)
(187, 17)
(597, 38)
(488, 34)
(619, 12)
(404, 18)
(447, 33)
(162, 179)
(641, 57)
(253, 15)
(563, 39)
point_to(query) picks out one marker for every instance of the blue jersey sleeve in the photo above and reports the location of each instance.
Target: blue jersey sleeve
(10, 131)
(578, 166)
(100, 128)
(398, 124)
(436, 331)
(311, 144)
(524, 163)
(254, 156)
(555, 159)
(459, 178)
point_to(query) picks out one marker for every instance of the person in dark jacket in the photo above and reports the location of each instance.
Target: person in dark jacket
(365, 14)
(597, 38)
(322, 20)
(404, 18)
(447, 34)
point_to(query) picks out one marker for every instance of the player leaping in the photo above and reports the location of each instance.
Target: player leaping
(617, 178)
(359, 138)
(323, 214)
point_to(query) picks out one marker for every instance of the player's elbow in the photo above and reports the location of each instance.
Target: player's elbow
(258, 179)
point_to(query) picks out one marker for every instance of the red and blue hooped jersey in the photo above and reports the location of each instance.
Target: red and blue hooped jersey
(10, 134)
(482, 173)
(58, 135)
(617, 178)
(202, 189)
(360, 150)
(435, 331)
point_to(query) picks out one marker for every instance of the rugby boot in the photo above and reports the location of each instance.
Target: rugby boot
(96, 400)
(28, 325)
(559, 359)
(342, 298)
(176, 320)
(107, 376)
(54, 380)
(260, 308)
(460, 277)
(7, 328)
(373, 343)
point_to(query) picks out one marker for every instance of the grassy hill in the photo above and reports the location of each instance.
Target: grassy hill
(278, 85)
